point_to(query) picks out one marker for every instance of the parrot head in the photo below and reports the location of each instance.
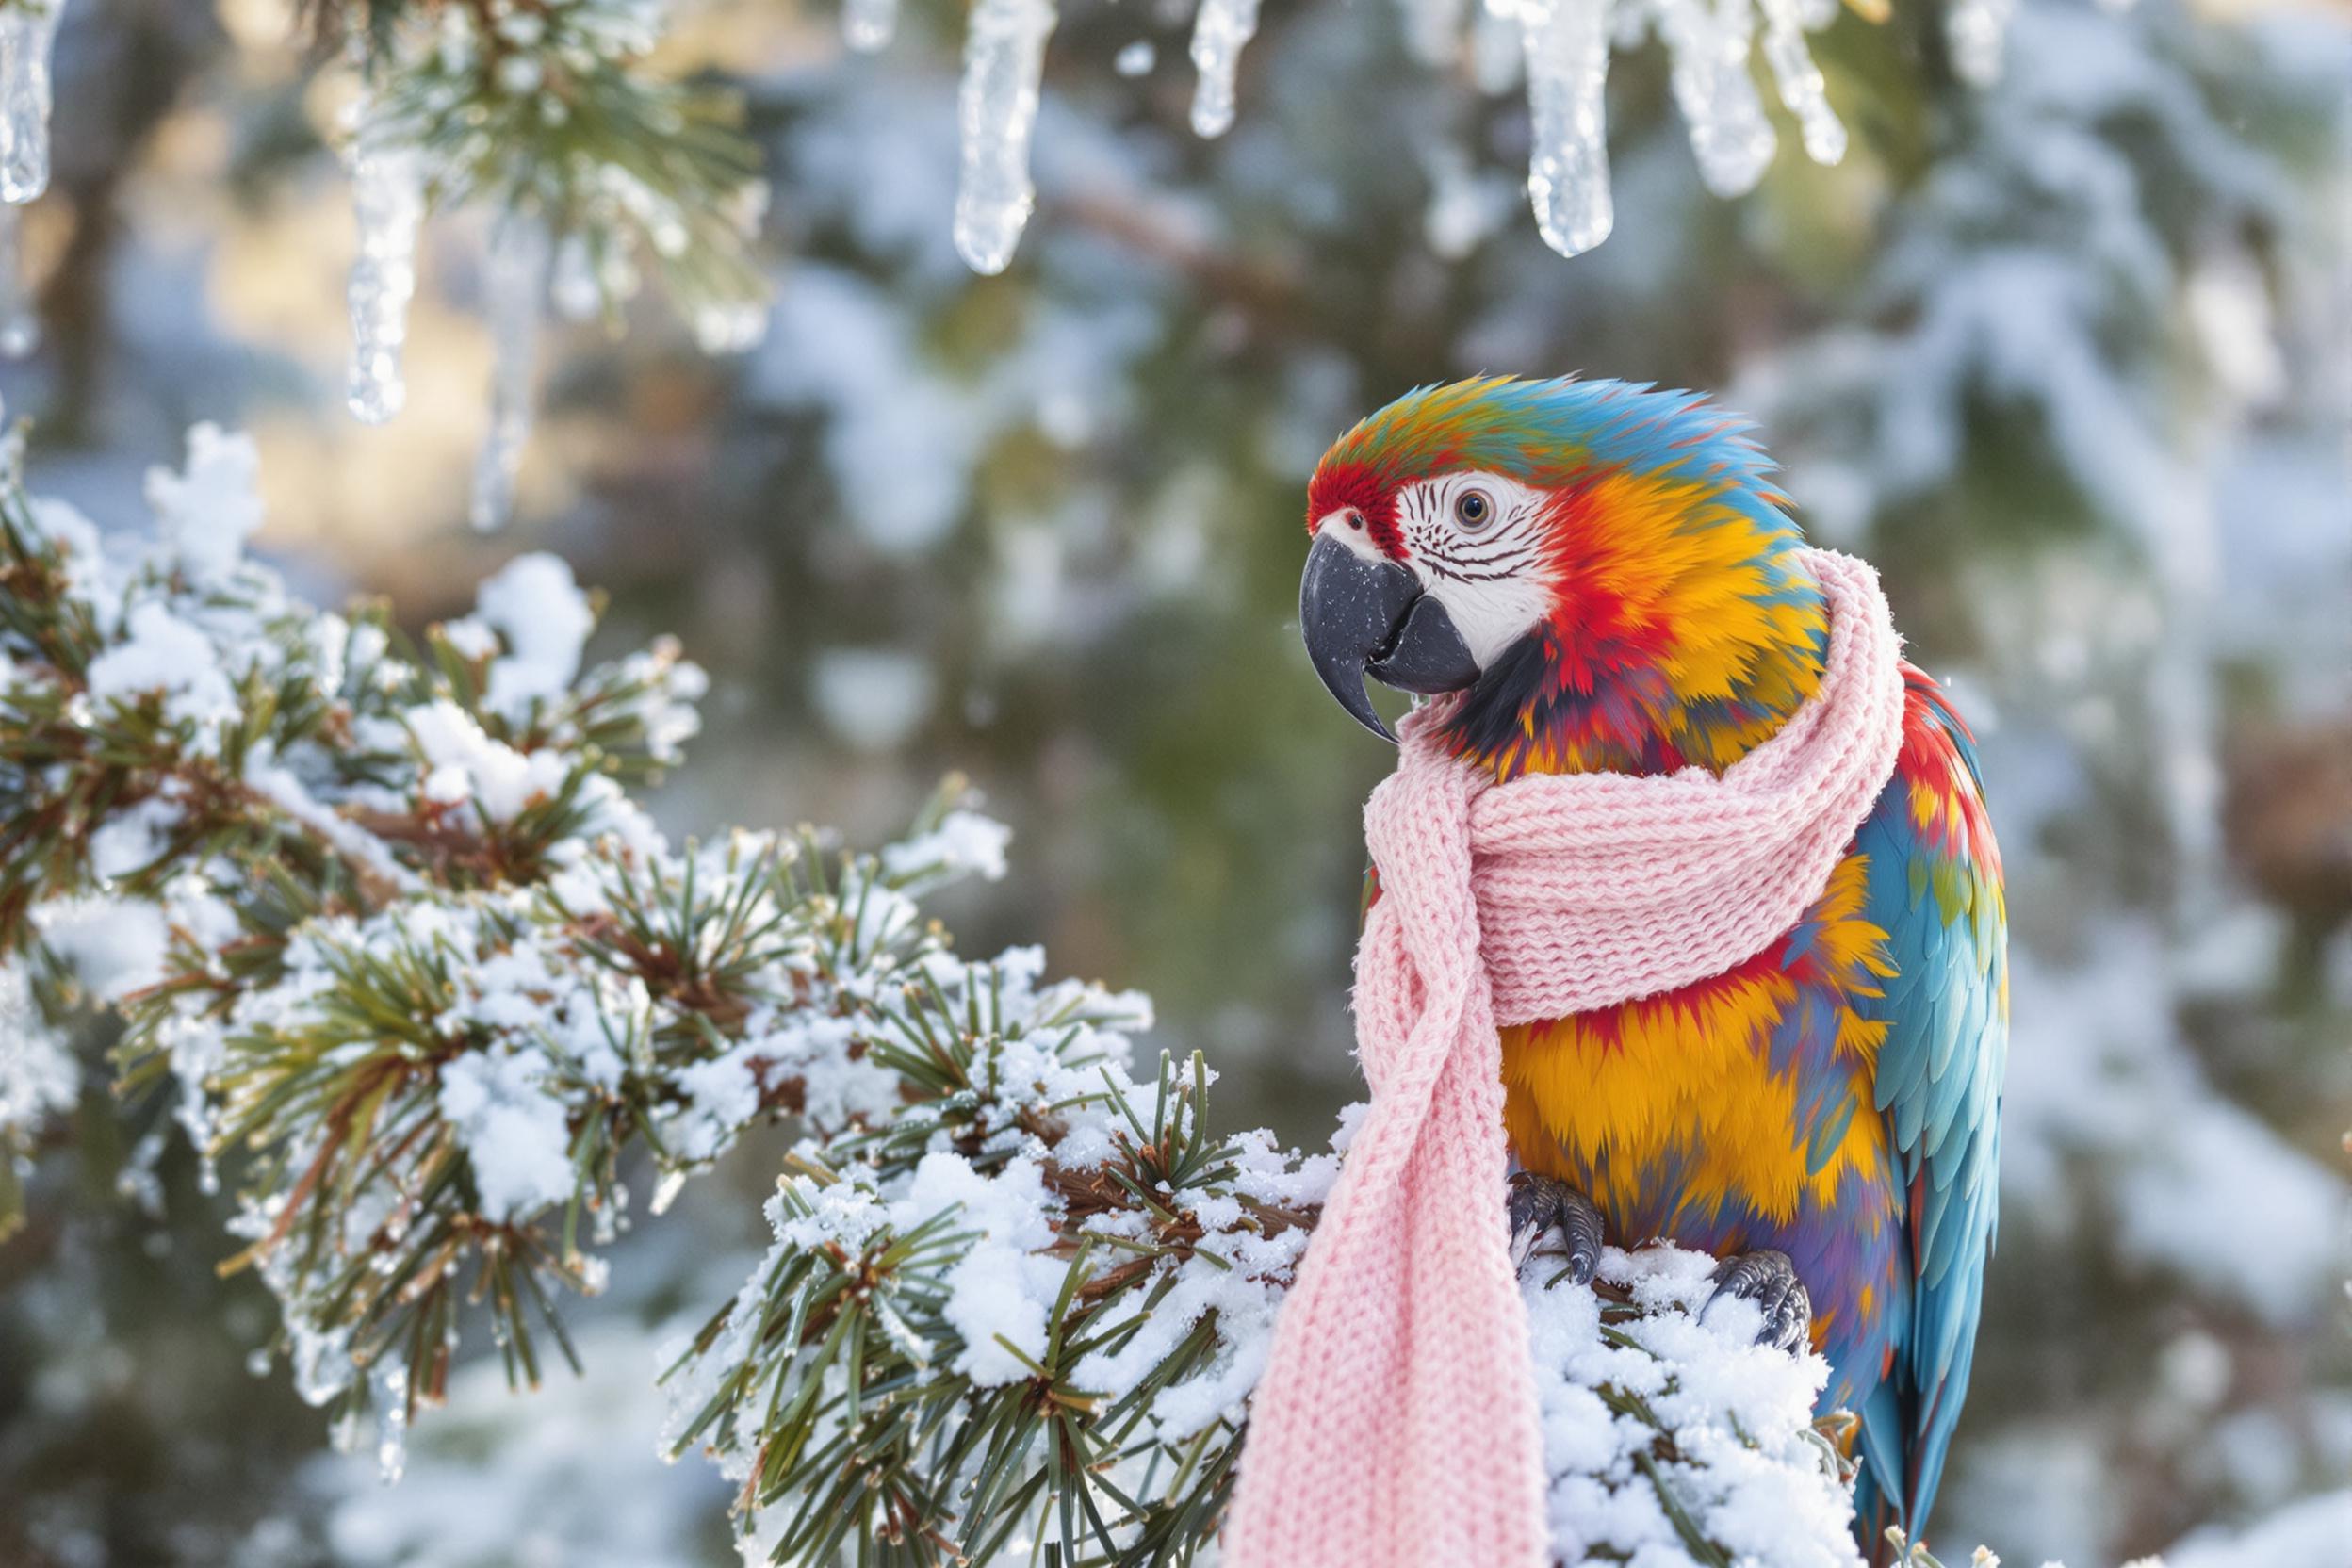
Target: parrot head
(1602, 571)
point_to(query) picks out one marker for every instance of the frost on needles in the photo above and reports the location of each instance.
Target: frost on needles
(440, 1007)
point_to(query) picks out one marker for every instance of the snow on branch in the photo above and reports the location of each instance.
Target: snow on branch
(981, 1359)
(387, 918)
(383, 920)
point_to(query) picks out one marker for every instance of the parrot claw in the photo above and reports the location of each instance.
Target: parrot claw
(1770, 1280)
(1542, 1204)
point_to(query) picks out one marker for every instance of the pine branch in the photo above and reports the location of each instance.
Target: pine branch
(875, 1381)
(551, 108)
(409, 953)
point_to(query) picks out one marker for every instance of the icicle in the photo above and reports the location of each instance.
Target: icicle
(343, 1431)
(322, 1361)
(1136, 59)
(1567, 46)
(28, 28)
(20, 322)
(392, 1425)
(1800, 80)
(1218, 34)
(389, 201)
(1729, 134)
(1004, 60)
(514, 286)
(869, 25)
(1977, 32)
(1432, 31)
(666, 1191)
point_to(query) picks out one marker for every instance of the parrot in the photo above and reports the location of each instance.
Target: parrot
(1607, 575)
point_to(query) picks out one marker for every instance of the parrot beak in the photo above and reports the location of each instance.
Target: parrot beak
(1366, 617)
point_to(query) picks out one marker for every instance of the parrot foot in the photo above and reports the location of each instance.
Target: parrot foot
(1542, 1204)
(1770, 1280)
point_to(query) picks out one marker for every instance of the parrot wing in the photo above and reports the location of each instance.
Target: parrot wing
(1935, 886)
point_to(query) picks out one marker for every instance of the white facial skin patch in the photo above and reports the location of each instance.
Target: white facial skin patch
(1475, 539)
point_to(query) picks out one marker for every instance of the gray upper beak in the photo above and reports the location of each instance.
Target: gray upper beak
(1364, 617)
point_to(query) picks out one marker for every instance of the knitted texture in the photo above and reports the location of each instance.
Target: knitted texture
(1395, 1424)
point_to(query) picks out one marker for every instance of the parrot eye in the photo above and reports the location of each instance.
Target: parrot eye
(1474, 509)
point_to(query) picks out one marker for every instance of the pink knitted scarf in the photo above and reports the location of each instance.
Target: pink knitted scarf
(1396, 1425)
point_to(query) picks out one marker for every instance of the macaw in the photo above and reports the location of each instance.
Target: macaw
(1606, 574)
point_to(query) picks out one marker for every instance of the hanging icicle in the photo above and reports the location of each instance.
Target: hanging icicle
(1977, 34)
(388, 203)
(1708, 42)
(1562, 48)
(1004, 62)
(869, 25)
(514, 292)
(27, 29)
(1801, 88)
(20, 323)
(1567, 47)
(1219, 32)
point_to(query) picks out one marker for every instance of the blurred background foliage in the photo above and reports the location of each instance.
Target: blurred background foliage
(2070, 359)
